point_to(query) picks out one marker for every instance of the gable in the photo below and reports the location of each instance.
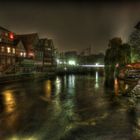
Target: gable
(20, 45)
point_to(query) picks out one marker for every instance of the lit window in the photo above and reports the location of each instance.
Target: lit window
(14, 51)
(48, 49)
(8, 49)
(21, 53)
(24, 54)
(2, 49)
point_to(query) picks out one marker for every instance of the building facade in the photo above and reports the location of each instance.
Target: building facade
(7, 49)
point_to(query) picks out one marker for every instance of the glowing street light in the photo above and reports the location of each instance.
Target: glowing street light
(97, 64)
(71, 62)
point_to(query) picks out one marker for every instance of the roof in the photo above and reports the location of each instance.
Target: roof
(29, 40)
(16, 41)
(2, 28)
(42, 41)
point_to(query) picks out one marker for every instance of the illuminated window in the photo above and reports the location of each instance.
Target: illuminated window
(24, 54)
(14, 51)
(8, 49)
(2, 49)
(21, 53)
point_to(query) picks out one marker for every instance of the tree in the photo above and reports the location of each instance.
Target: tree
(117, 55)
(134, 41)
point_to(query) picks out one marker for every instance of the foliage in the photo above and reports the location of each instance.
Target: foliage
(134, 41)
(117, 55)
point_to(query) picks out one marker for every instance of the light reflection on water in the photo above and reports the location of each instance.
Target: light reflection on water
(22, 138)
(116, 87)
(47, 91)
(82, 109)
(58, 85)
(9, 101)
(71, 81)
(96, 80)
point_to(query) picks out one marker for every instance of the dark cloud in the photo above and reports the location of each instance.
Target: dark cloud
(72, 25)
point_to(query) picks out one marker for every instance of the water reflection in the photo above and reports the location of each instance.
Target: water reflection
(97, 80)
(116, 87)
(22, 138)
(74, 108)
(58, 85)
(48, 90)
(9, 101)
(71, 81)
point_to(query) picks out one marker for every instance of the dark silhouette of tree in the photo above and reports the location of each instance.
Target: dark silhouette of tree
(117, 55)
(134, 41)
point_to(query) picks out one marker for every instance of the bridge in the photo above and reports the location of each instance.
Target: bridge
(93, 66)
(80, 69)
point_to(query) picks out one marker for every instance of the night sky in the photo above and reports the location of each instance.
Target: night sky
(72, 25)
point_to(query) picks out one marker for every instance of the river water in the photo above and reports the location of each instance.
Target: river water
(67, 108)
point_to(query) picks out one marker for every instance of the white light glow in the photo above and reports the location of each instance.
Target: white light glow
(71, 62)
(92, 65)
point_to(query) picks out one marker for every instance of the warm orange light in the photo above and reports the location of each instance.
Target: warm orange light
(9, 101)
(11, 36)
(116, 87)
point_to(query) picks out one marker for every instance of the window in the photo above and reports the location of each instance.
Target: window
(14, 51)
(8, 49)
(21, 53)
(24, 54)
(2, 49)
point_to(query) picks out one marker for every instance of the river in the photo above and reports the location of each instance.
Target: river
(67, 108)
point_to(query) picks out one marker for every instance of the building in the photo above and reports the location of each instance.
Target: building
(39, 57)
(7, 50)
(49, 56)
(27, 51)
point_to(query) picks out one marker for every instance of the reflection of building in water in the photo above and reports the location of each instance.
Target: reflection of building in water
(9, 101)
(71, 81)
(96, 79)
(48, 89)
(58, 85)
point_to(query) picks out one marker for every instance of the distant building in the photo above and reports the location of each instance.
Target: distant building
(71, 55)
(7, 49)
(91, 59)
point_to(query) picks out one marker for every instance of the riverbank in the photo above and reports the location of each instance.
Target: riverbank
(9, 78)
